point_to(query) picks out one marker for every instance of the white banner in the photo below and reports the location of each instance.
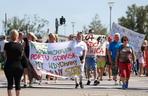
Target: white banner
(135, 39)
(96, 47)
(57, 59)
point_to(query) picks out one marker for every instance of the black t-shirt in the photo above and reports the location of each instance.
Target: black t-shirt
(13, 53)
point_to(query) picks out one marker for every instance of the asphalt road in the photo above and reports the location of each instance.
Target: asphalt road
(138, 86)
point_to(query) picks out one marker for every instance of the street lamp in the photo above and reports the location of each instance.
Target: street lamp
(5, 25)
(73, 25)
(110, 7)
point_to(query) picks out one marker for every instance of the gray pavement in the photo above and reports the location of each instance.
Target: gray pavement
(138, 86)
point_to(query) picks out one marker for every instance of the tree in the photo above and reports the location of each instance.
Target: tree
(136, 19)
(85, 29)
(27, 24)
(96, 26)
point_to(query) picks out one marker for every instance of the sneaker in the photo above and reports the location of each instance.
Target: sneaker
(126, 85)
(81, 85)
(136, 73)
(25, 85)
(104, 74)
(88, 82)
(96, 82)
(142, 75)
(77, 85)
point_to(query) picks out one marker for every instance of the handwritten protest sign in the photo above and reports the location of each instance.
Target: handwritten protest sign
(135, 39)
(56, 59)
(96, 44)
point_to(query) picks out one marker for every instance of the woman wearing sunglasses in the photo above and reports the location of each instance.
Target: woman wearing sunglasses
(124, 60)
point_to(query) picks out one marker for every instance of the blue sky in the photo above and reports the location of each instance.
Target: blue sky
(79, 11)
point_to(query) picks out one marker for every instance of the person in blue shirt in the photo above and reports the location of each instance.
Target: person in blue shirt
(113, 48)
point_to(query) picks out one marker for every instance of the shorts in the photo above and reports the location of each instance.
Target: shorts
(141, 60)
(101, 62)
(90, 63)
(125, 70)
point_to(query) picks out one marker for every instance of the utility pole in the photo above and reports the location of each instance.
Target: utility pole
(73, 27)
(5, 25)
(110, 7)
(62, 21)
(56, 26)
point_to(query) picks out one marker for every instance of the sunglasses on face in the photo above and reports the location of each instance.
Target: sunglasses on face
(125, 40)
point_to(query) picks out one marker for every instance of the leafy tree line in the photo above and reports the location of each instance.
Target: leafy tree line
(96, 26)
(136, 19)
(27, 24)
(37, 24)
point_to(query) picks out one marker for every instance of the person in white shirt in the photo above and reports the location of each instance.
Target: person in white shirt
(80, 50)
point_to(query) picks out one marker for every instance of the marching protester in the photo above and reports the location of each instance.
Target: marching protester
(30, 70)
(108, 64)
(124, 59)
(81, 50)
(101, 61)
(90, 64)
(113, 48)
(52, 38)
(13, 67)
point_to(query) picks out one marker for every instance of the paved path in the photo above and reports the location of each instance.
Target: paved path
(138, 87)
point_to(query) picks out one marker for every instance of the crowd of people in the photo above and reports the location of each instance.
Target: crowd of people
(120, 59)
